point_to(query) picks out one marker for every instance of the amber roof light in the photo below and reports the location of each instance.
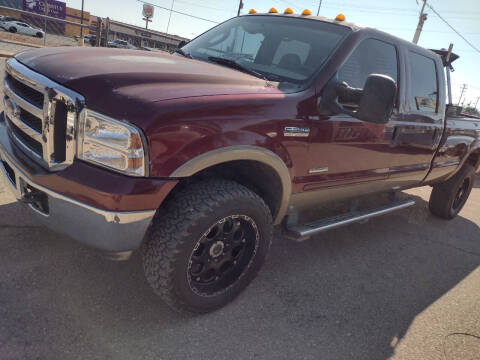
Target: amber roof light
(273, 11)
(252, 11)
(340, 17)
(306, 12)
(288, 11)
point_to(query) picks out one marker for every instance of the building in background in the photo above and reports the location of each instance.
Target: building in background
(135, 35)
(75, 15)
(141, 37)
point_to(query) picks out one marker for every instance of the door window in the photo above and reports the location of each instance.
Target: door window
(370, 57)
(423, 83)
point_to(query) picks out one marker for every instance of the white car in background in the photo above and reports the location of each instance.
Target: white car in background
(22, 28)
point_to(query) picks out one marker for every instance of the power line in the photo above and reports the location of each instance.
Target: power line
(179, 12)
(451, 27)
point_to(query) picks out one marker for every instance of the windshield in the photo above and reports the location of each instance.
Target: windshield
(282, 49)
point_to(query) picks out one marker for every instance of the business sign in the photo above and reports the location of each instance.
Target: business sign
(147, 11)
(53, 8)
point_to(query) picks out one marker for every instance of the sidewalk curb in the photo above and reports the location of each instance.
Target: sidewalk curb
(20, 43)
(7, 54)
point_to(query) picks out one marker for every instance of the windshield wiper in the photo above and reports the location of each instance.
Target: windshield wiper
(234, 65)
(183, 53)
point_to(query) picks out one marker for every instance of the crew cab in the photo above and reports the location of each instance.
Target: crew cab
(193, 158)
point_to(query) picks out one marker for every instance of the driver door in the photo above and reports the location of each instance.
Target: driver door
(346, 151)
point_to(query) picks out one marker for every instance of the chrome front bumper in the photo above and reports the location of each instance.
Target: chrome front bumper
(110, 231)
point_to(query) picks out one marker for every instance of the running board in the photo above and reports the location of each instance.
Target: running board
(302, 232)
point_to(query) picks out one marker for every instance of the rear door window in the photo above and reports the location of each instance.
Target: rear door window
(423, 84)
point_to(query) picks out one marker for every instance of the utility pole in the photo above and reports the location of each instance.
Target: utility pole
(464, 87)
(240, 7)
(319, 6)
(421, 20)
(478, 97)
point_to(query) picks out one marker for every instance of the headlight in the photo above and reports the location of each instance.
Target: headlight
(111, 143)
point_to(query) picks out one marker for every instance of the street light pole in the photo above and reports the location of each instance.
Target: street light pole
(319, 6)
(81, 21)
(240, 7)
(168, 25)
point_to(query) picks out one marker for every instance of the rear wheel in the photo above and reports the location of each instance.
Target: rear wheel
(13, 29)
(448, 198)
(39, 35)
(207, 245)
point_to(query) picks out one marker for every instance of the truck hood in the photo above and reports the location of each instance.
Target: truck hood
(106, 75)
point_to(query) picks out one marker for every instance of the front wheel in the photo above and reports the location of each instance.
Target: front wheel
(206, 245)
(449, 197)
(12, 29)
(39, 35)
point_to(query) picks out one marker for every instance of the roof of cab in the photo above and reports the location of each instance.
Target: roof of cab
(352, 26)
(348, 24)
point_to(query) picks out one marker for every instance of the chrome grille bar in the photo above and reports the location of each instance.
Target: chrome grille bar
(54, 95)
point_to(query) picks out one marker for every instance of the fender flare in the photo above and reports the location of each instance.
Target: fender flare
(242, 152)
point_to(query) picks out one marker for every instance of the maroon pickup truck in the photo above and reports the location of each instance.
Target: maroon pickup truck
(193, 158)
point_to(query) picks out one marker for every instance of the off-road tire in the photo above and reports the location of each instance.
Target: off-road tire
(12, 29)
(177, 228)
(444, 195)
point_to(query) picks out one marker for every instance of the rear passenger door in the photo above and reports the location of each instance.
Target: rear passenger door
(344, 150)
(417, 133)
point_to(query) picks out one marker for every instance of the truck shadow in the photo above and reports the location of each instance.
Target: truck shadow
(476, 184)
(351, 293)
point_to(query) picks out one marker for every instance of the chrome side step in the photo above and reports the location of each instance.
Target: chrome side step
(302, 232)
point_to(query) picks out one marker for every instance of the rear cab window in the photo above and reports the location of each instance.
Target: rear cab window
(423, 95)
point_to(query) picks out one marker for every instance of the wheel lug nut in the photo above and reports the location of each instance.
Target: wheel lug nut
(216, 278)
(198, 279)
(235, 262)
(243, 240)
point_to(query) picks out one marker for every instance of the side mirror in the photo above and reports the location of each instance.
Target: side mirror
(378, 98)
(375, 101)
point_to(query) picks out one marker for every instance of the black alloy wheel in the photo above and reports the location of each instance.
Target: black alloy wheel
(222, 254)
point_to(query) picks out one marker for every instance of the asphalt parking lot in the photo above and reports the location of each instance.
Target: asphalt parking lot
(403, 286)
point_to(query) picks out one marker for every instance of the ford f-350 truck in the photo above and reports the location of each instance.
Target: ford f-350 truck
(193, 158)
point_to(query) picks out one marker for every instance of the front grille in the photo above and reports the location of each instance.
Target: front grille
(32, 144)
(45, 130)
(9, 171)
(31, 120)
(25, 92)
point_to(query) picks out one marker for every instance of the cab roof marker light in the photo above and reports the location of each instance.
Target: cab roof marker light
(252, 11)
(288, 11)
(306, 12)
(340, 17)
(272, 11)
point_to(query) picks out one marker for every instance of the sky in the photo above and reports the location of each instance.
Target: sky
(397, 17)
